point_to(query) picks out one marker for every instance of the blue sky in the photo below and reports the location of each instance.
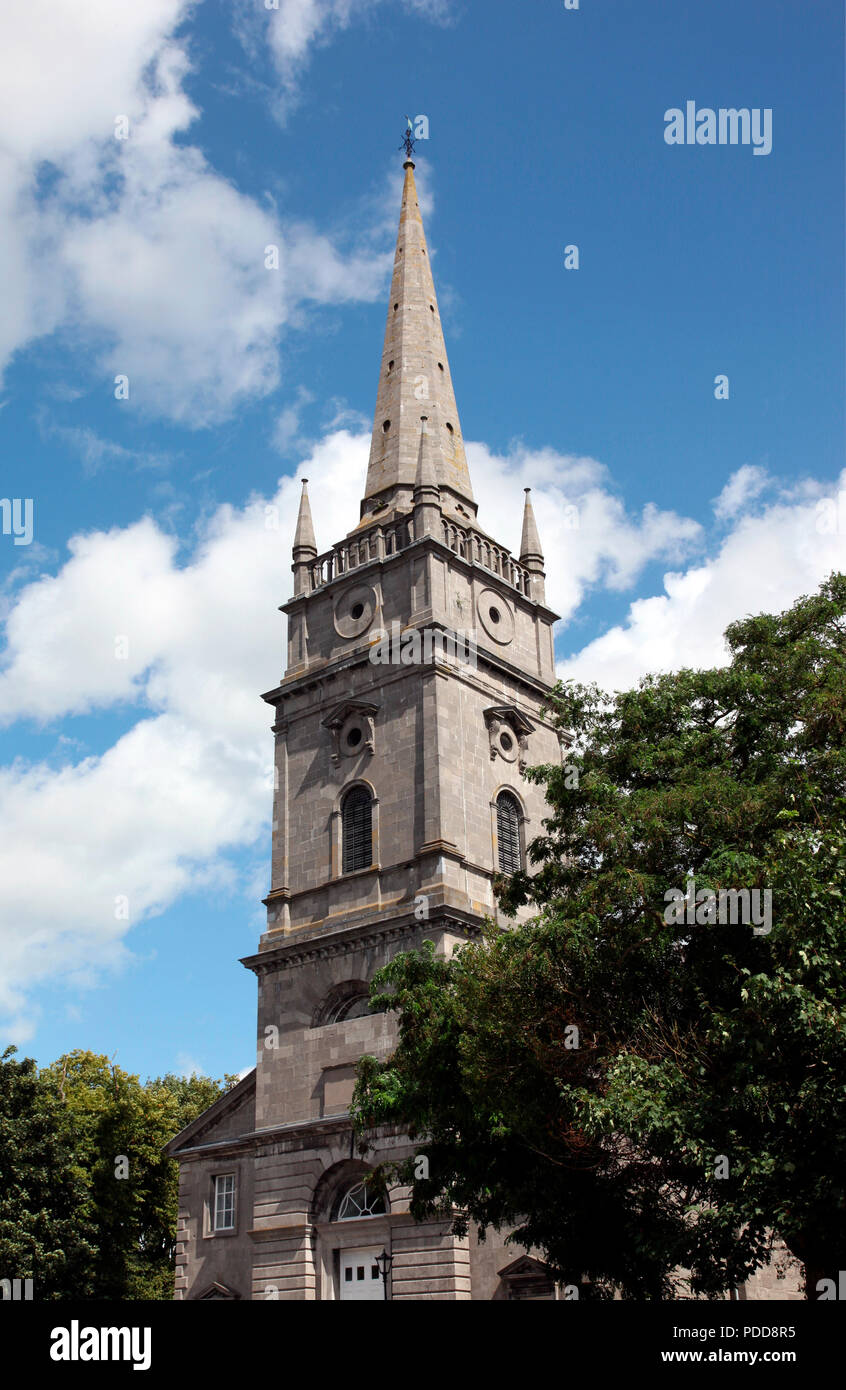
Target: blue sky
(164, 521)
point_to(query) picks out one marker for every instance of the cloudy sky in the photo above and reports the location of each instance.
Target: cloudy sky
(149, 154)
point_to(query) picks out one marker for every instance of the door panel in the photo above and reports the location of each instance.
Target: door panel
(360, 1277)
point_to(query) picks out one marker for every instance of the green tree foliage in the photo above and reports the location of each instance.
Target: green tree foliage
(89, 1208)
(45, 1231)
(646, 1100)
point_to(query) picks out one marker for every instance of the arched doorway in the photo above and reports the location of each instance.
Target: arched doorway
(353, 1232)
(359, 1277)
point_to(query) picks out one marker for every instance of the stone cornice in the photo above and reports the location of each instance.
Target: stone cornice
(303, 946)
(331, 670)
(328, 1127)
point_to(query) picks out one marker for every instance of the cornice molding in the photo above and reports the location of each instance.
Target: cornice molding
(291, 952)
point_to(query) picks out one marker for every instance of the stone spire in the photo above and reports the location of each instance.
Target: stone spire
(531, 555)
(305, 546)
(415, 380)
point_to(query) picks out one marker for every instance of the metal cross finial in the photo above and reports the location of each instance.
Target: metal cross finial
(408, 139)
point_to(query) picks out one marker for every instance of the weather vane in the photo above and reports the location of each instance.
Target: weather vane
(408, 139)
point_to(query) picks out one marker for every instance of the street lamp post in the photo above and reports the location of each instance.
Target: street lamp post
(384, 1261)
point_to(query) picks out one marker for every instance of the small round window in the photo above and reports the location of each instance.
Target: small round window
(354, 737)
(356, 611)
(494, 615)
(506, 742)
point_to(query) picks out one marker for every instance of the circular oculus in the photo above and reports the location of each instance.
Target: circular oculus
(496, 616)
(355, 610)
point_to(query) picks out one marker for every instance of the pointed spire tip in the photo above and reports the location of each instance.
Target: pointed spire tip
(530, 546)
(304, 534)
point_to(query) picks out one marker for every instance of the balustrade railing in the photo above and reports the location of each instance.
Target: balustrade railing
(348, 555)
(473, 546)
(382, 541)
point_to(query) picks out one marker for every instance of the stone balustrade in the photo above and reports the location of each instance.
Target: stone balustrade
(479, 550)
(381, 541)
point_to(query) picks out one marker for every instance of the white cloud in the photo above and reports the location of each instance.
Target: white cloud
(286, 430)
(158, 812)
(588, 537)
(137, 246)
(97, 452)
(188, 1066)
(764, 564)
(743, 486)
(295, 27)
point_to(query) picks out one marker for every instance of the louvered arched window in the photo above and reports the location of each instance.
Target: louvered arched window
(508, 833)
(357, 830)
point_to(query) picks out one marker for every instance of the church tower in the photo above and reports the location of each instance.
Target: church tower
(419, 654)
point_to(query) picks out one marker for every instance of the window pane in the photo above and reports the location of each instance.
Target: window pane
(361, 1200)
(224, 1202)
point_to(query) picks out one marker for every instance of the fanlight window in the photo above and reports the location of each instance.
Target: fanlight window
(362, 1200)
(357, 830)
(508, 833)
(356, 1006)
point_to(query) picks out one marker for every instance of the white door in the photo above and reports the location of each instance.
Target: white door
(360, 1277)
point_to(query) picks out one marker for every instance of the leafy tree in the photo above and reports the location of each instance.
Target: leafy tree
(90, 1207)
(648, 1100)
(45, 1230)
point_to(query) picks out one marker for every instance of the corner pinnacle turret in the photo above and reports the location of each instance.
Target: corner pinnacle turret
(531, 554)
(305, 546)
(415, 380)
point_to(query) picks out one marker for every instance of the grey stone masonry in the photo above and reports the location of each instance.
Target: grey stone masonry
(414, 378)
(420, 655)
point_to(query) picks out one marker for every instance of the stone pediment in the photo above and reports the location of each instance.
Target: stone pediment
(508, 729)
(510, 714)
(352, 726)
(528, 1278)
(525, 1265)
(231, 1116)
(216, 1291)
(339, 715)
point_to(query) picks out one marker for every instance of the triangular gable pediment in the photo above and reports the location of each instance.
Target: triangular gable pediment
(509, 714)
(341, 713)
(216, 1123)
(526, 1264)
(215, 1291)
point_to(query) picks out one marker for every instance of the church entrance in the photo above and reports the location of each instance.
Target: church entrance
(359, 1275)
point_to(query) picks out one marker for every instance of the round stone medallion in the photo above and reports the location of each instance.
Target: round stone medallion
(355, 610)
(496, 616)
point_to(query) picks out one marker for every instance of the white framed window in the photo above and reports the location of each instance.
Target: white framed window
(224, 1202)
